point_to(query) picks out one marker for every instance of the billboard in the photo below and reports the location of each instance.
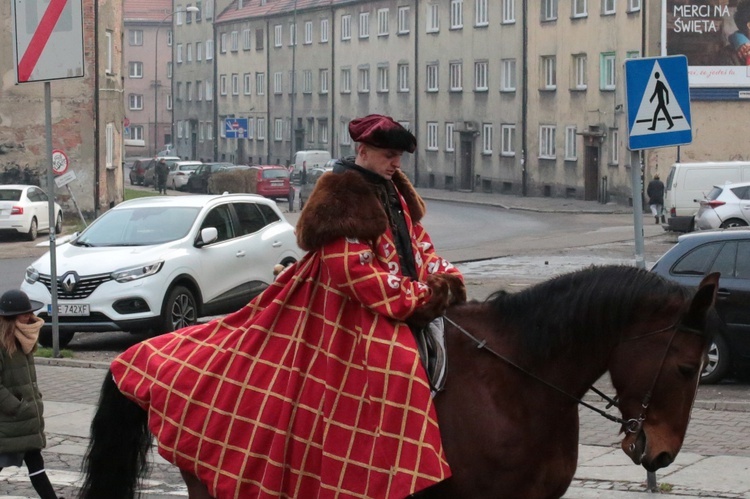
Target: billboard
(714, 35)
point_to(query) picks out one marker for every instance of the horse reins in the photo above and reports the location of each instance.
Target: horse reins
(632, 425)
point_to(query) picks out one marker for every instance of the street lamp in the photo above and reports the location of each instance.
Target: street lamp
(192, 8)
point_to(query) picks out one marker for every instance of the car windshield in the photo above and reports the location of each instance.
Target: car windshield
(10, 194)
(188, 168)
(275, 173)
(139, 226)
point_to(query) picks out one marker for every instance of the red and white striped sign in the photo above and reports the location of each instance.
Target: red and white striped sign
(48, 39)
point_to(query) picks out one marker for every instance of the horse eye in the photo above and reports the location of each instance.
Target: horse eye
(688, 370)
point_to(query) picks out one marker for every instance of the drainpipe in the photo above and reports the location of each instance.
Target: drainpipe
(524, 96)
(416, 90)
(332, 89)
(97, 128)
(293, 84)
(215, 91)
(268, 92)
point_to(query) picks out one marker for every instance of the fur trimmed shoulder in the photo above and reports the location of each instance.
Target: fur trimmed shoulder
(346, 205)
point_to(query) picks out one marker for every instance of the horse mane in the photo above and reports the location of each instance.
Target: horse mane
(579, 307)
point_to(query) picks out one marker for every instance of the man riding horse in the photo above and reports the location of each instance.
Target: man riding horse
(316, 387)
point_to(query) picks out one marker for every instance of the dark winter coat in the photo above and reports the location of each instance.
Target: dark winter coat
(21, 408)
(655, 191)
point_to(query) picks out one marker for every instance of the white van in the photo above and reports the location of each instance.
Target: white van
(308, 160)
(688, 183)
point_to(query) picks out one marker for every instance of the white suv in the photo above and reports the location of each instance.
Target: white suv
(160, 263)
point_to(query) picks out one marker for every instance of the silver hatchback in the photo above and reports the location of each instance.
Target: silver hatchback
(725, 206)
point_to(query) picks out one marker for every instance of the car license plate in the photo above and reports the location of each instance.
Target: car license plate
(71, 310)
(277, 184)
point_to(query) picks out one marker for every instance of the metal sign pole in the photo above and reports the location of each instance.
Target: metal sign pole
(52, 235)
(635, 173)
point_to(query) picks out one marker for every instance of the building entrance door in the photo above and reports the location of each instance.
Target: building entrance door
(591, 174)
(467, 164)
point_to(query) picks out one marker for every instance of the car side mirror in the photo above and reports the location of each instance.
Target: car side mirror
(207, 236)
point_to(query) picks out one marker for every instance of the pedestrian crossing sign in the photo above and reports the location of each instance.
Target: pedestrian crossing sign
(658, 102)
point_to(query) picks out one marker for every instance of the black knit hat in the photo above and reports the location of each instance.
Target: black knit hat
(16, 302)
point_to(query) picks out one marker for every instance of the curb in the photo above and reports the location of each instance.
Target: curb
(63, 362)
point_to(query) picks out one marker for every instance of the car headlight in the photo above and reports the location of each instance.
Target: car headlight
(133, 273)
(32, 275)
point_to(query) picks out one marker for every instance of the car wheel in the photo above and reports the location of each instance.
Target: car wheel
(45, 338)
(180, 310)
(33, 230)
(58, 224)
(718, 362)
(733, 222)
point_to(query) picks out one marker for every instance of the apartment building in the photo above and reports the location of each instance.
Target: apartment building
(147, 61)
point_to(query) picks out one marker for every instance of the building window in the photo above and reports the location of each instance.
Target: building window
(109, 140)
(292, 34)
(457, 14)
(549, 72)
(135, 69)
(179, 129)
(509, 11)
(136, 132)
(607, 71)
(223, 84)
(364, 80)
(324, 31)
(209, 91)
(403, 20)
(277, 33)
(346, 139)
(169, 102)
(170, 37)
(508, 140)
(260, 83)
(310, 130)
(383, 79)
(579, 8)
(199, 13)
(178, 15)
(201, 131)
(135, 102)
(235, 84)
(364, 24)
(614, 146)
(480, 76)
(346, 27)
(169, 70)
(608, 7)
(260, 40)
(209, 131)
(278, 129)
(307, 83)
(247, 38)
(248, 80)
(486, 138)
(250, 128)
(481, 13)
(178, 89)
(449, 129)
(383, 22)
(323, 131)
(323, 81)
(209, 9)
(580, 73)
(188, 15)
(189, 52)
(199, 90)
(403, 77)
(278, 82)
(508, 75)
(179, 53)
(189, 90)
(547, 141)
(571, 154)
(235, 41)
(198, 51)
(135, 37)
(634, 5)
(209, 50)
(549, 10)
(292, 82)
(432, 77)
(223, 43)
(432, 136)
(455, 72)
(346, 80)
(308, 32)
(433, 20)
(261, 130)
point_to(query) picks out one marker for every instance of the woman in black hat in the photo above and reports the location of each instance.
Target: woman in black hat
(21, 411)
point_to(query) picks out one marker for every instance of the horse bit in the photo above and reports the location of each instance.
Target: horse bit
(632, 425)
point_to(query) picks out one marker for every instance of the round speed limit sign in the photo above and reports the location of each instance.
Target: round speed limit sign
(59, 162)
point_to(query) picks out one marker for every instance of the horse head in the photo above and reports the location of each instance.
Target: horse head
(656, 369)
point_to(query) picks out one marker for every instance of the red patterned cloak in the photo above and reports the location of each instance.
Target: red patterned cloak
(315, 388)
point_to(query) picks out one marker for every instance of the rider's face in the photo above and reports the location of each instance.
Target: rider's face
(384, 162)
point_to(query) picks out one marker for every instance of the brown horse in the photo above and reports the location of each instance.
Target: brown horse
(518, 366)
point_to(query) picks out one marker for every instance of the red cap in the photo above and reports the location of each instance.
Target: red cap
(381, 131)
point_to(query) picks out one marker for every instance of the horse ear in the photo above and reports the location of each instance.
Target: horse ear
(703, 299)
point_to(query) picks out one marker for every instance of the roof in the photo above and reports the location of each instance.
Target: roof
(146, 10)
(253, 8)
(190, 200)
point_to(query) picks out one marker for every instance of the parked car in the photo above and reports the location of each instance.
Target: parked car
(308, 181)
(138, 171)
(198, 181)
(149, 177)
(179, 171)
(24, 209)
(159, 263)
(307, 160)
(272, 181)
(726, 251)
(725, 206)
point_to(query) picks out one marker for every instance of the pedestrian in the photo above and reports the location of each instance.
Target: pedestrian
(329, 351)
(22, 435)
(655, 191)
(161, 171)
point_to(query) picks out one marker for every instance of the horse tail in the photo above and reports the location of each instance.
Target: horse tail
(116, 456)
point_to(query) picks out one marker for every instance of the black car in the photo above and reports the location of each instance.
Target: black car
(728, 252)
(198, 181)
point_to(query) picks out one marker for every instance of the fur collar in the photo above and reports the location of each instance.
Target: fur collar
(347, 205)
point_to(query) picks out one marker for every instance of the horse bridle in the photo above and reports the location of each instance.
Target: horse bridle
(632, 425)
